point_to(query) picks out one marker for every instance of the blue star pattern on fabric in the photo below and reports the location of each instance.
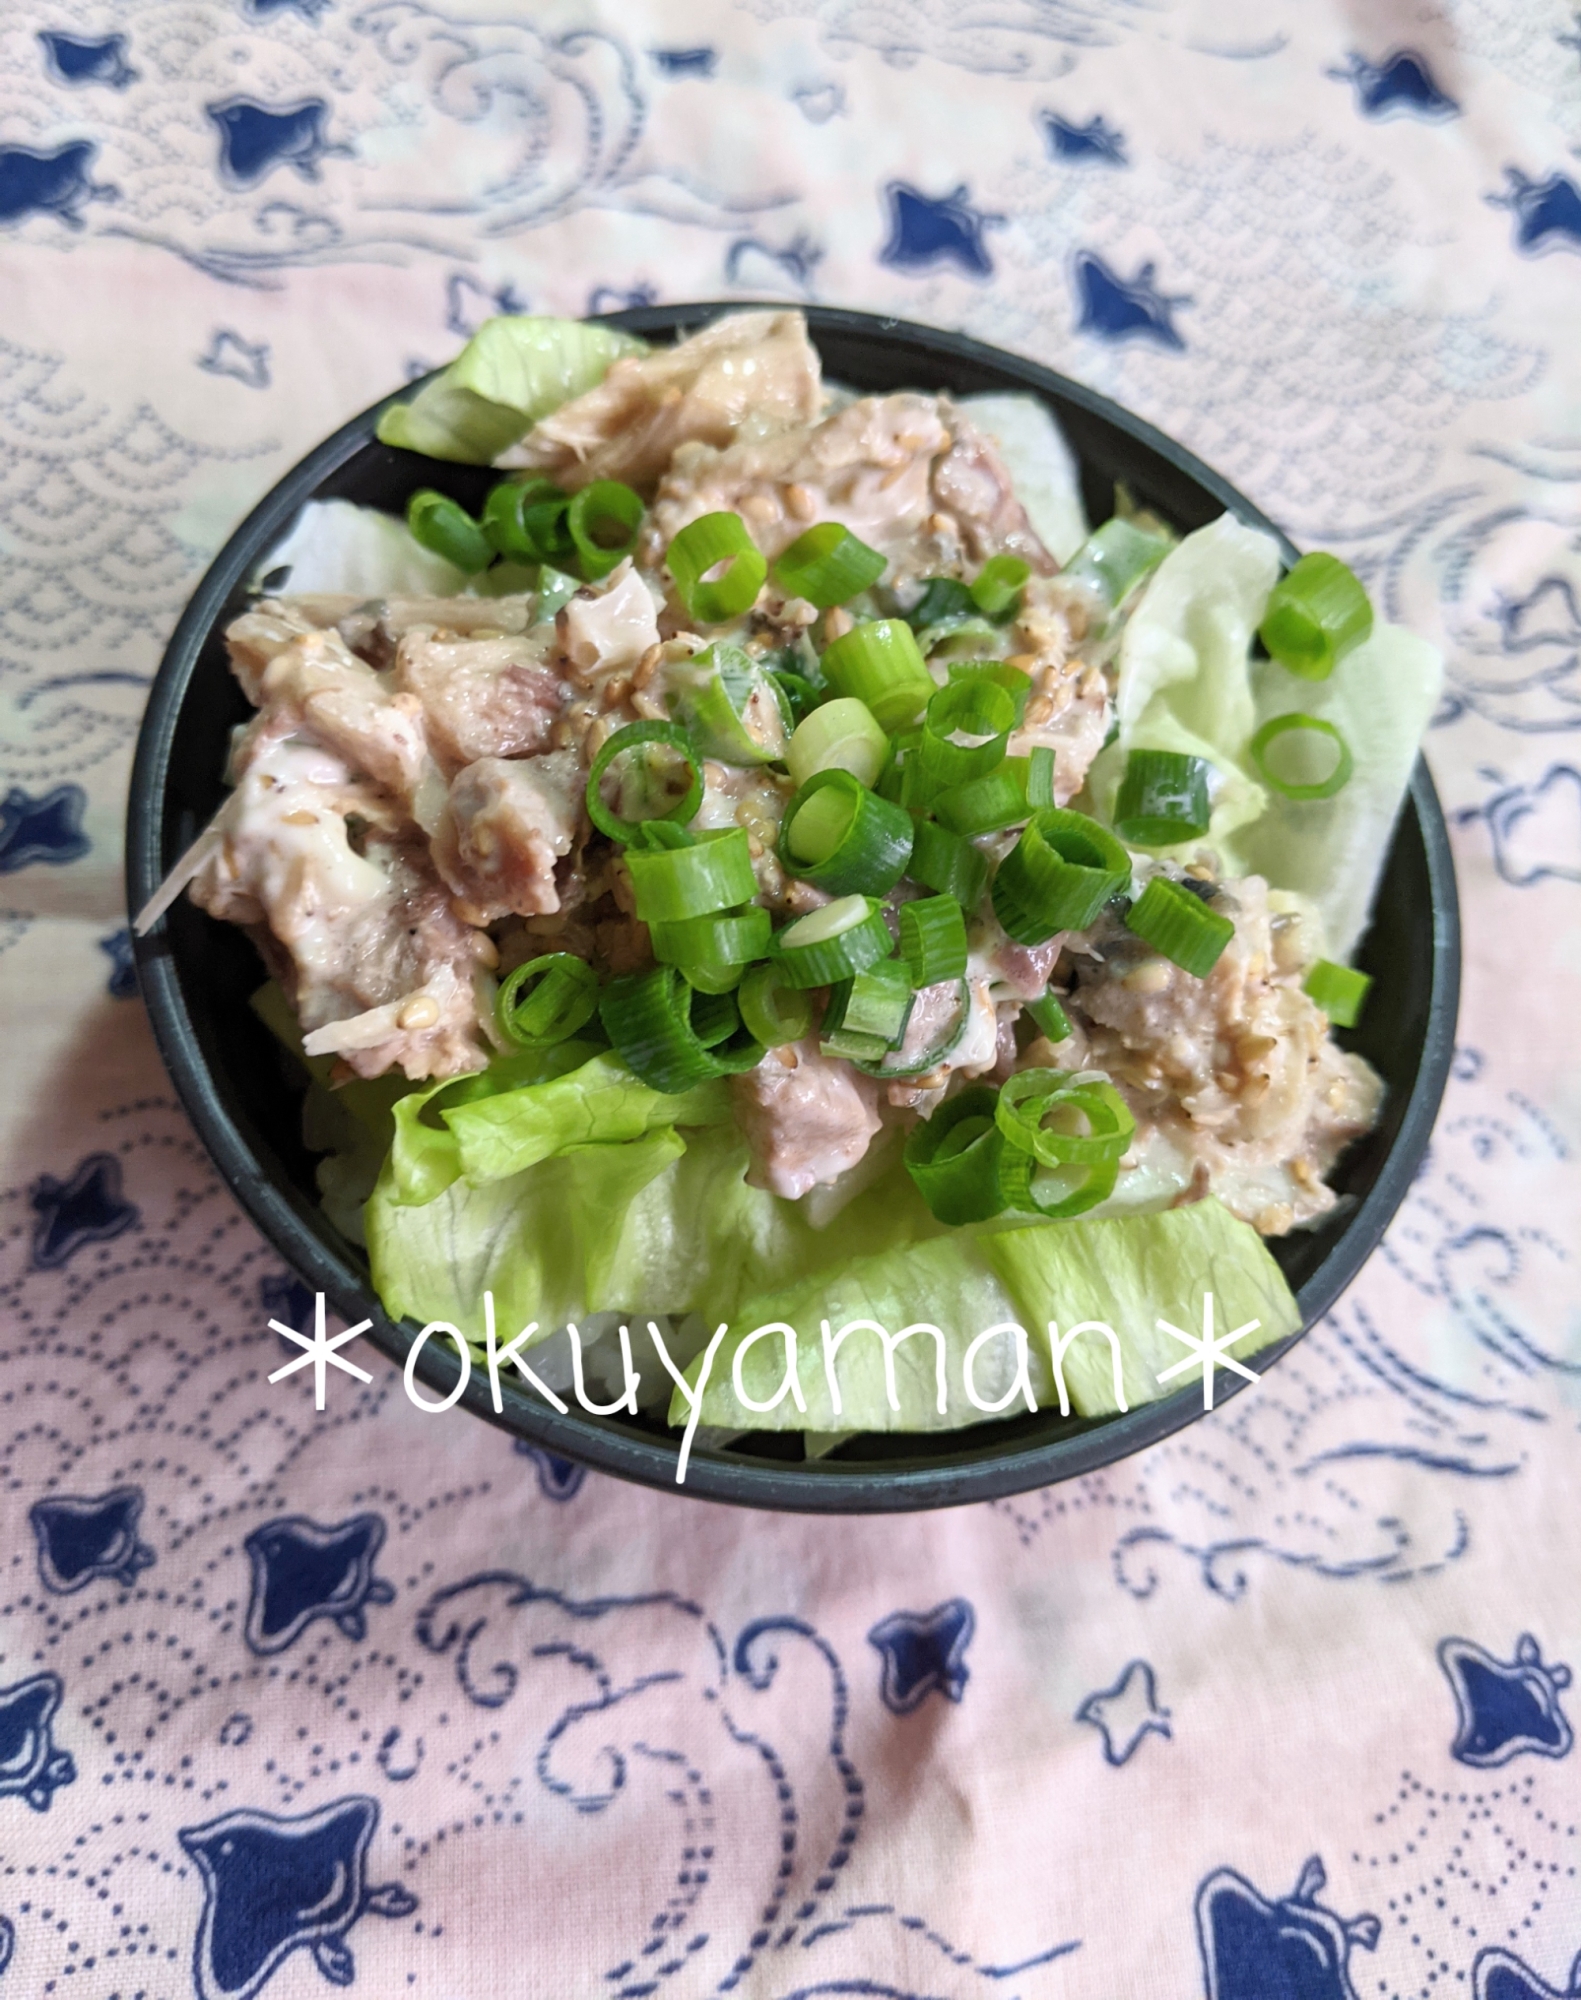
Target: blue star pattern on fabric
(302, 1571)
(78, 59)
(82, 1540)
(256, 138)
(1505, 1707)
(85, 1209)
(924, 1651)
(283, 1295)
(1535, 828)
(117, 948)
(759, 266)
(243, 360)
(1497, 1974)
(272, 1886)
(925, 230)
(1117, 308)
(1293, 1949)
(1096, 140)
(1125, 1713)
(1400, 85)
(54, 183)
(1547, 212)
(48, 828)
(558, 1478)
(31, 1767)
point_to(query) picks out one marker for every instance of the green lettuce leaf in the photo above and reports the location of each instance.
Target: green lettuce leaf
(515, 370)
(1126, 1272)
(1185, 667)
(599, 1102)
(1381, 698)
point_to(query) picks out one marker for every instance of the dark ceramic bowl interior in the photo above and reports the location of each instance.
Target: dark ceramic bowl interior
(243, 1092)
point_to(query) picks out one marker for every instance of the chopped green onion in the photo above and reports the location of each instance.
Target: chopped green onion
(1040, 778)
(774, 1011)
(1179, 926)
(555, 588)
(713, 873)
(504, 515)
(445, 528)
(711, 943)
(867, 1013)
(800, 696)
(1163, 798)
(1114, 559)
(943, 1045)
(828, 565)
(1304, 725)
(843, 837)
(945, 640)
(1050, 1017)
(878, 662)
(1015, 681)
(976, 709)
(1339, 990)
(1031, 1097)
(730, 705)
(1058, 876)
(642, 785)
(997, 590)
(945, 600)
(546, 1000)
(650, 1019)
(844, 937)
(955, 1158)
(946, 862)
(1316, 615)
(987, 805)
(700, 547)
(1024, 1183)
(603, 520)
(839, 736)
(933, 939)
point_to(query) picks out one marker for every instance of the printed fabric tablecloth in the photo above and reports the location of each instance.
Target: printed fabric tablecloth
(1278, 1710)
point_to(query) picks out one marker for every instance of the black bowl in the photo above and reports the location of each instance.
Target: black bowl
(244, 1095)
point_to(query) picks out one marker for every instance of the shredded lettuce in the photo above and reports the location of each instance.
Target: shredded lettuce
(515, 370)
(1126, 1272)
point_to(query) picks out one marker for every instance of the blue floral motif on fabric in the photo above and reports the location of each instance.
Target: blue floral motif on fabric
(700, 61)
(81, 59)
(925, 230)
(117, 948)
(1401, 84)
(85, 1209)
(57, 183)
(81, 1541)
(49, 828)
(31, 1768)
(924, 1652)
(1497, 1974)
(1119, 308)
(1505, 1707)
(301, 1571)
(1547, 212)
(1126, 1712)
(257, 138)
(272, 1886)
(245, 361)
(1290, 1949)
(1535, 828)
(558, 1478)
(1096, 140)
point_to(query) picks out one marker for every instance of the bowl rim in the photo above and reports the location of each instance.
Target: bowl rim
(299, 1234)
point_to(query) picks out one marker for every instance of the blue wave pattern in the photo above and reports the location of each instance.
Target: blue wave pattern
(323, 1702)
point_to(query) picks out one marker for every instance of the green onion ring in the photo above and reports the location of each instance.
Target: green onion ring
(1280, 725)
(633, 737)
(603, 504)
(546, 1000)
